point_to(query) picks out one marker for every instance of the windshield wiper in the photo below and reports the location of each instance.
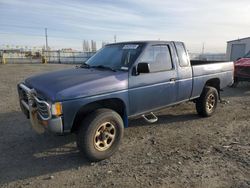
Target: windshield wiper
(85, 65)
(103, 67)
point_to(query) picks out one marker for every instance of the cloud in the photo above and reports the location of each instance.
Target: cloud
(192, 21)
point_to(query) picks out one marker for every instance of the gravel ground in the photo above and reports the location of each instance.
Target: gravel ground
(180, 150)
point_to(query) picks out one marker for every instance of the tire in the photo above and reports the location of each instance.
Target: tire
(207, 102)
(100, 134)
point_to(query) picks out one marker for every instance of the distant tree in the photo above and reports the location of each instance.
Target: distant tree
(93, 46)
(85, 46)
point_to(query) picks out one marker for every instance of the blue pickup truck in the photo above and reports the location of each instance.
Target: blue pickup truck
(121, 81)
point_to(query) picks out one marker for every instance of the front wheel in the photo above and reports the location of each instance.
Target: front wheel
(100, 134)
(207, 102)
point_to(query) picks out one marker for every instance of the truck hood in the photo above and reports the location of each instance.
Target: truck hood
(77, 82)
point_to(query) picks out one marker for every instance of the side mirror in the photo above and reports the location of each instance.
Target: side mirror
(143, 68)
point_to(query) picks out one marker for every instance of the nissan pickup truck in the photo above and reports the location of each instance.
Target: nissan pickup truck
(121, 81)
(242, 70)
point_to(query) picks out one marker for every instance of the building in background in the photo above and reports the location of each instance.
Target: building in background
(237, 48)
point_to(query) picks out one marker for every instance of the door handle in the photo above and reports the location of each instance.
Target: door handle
(172, 79)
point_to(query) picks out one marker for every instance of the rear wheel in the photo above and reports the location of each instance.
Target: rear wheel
(100, 134)
(207, 102)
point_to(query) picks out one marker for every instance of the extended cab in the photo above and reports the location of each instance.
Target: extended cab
(121, 81)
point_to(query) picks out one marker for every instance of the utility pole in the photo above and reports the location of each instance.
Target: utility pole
(83, 46)
(46, 55)
(46, 38)
(114, 38)
(203, 48)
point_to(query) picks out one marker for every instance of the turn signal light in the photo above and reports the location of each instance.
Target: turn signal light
(57, 109)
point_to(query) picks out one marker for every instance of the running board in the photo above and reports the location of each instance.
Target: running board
(150, 118)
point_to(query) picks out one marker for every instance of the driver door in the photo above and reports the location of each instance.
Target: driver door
(149, 91)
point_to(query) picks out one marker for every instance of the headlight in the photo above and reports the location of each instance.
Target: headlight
(56, 109)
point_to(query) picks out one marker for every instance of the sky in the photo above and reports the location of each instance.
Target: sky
(69, 22)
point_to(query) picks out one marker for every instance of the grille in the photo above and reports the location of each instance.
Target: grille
(30, 97)
(244, 70)
(43, 108)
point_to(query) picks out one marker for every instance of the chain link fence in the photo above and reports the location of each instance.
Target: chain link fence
(58, 56)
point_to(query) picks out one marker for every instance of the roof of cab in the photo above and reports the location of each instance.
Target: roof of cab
(143, 42)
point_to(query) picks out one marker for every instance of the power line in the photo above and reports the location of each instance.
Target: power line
(40, 29)
(31, 35)
(37, 35)
(21, 26)
(62, 38)
(28, 27)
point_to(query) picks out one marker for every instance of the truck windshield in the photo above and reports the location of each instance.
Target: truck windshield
(115, 56)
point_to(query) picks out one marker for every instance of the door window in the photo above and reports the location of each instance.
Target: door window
(159, 58)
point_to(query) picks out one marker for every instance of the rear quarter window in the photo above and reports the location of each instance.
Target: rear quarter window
(182, 55)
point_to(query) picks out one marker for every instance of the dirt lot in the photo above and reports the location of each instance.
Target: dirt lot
(180, 150)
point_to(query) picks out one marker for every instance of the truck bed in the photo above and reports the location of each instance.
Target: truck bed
(202, 62)
(207, 70)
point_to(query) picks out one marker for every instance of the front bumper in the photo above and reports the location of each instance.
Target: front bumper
(38, 122)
